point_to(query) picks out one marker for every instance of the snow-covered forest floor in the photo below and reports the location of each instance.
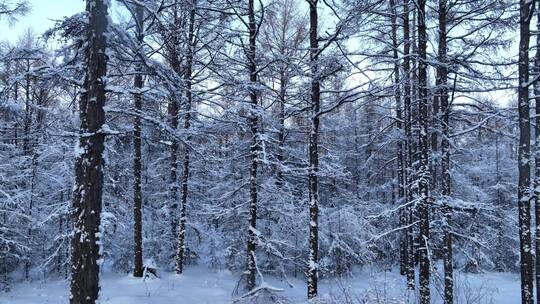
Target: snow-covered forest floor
(201, 285)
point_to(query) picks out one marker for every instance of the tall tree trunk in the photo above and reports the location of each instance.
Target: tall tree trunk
(254, 149)
(87, 194)
(414, 148)
(524, 158)
(409, 244)
(537, 157)
(423, 171)
(442, 88)
(313, 258)
(400, 144)
(137, 160)
(172, 109)
(185, 174)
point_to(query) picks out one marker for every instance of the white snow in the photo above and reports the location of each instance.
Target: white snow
(201, 285)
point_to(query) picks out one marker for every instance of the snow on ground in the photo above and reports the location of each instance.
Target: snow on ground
(200, 286)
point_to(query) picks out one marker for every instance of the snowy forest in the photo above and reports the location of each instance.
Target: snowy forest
(271, 151)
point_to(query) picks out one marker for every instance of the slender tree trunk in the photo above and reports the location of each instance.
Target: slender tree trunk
(442, 88)
(174, 62)
(423, 172)
(524, 158)
(281, 130)
(409, 244)
(27, 112)
(173, 189)
(87, 194)
(137, 160)
(415, 134)
(537, 157)
(185, 174)
(254, 149)
(16, 127)
(34, 167)
(283, 83)
(313, 258)
(400, 144)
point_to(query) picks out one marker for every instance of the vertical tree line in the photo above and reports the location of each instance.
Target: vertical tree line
(254, 147)
(408, 210)
(424, 176)
(191, 43)
(524, 157)
(313, 151)
(442, 87)
(138, 83)
(87, 194)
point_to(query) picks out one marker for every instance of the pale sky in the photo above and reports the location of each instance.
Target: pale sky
(43, 12)
(39, 18)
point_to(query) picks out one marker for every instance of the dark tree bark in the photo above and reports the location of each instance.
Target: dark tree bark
(313, 150)
(172, 109)
(400, 144)
(524, 157)
(34, 167)
(423, 171)
(442, 88)
(16, 127)
(137, 160)
(27, 111)
(187, 123)
(414, 147)
(537, 157)
(87, 194)
(254, 149)
(409, 244)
